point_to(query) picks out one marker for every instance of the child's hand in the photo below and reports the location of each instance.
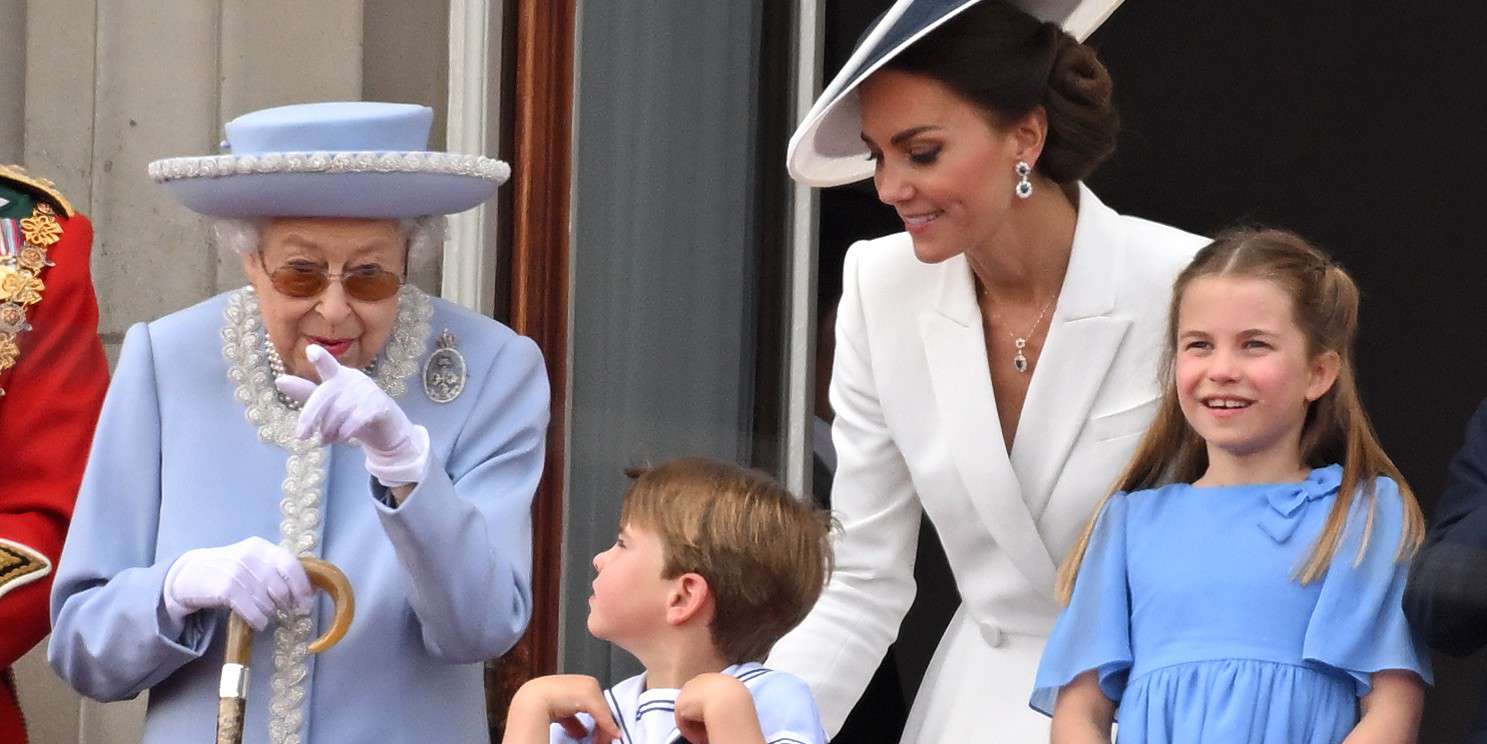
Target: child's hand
(1082, 714)
(559, 698)
(717, 709)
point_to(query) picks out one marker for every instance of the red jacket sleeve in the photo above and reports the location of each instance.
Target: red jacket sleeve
(51, 402)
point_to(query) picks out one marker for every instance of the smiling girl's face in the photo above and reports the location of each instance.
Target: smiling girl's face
(941, 163)
(1244, 371)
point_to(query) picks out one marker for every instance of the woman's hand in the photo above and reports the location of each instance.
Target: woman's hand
(1082, 714)
(1391, 710)
(252, 578)
(717, 709)
(559, 698)
(348, 405)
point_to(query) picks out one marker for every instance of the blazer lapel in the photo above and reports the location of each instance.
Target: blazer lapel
(956, 352)
(1083, 338)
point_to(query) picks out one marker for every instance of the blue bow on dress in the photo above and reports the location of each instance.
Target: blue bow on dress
(1288, 501)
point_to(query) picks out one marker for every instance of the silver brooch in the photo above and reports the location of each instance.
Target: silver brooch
(444, 373)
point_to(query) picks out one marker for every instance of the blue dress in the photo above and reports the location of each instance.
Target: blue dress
(1187, 607)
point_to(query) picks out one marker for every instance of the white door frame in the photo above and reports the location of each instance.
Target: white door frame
(475, 33)
(804, 217)
(470, 265)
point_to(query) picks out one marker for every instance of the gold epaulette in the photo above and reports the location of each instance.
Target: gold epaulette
(23, 259)
(34, 183)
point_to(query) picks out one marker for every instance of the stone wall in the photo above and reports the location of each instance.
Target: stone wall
(92, 90)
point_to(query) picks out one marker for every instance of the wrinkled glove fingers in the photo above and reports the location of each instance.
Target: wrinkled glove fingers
(335, 418)
(255, 618)
(250, 602)
(314, 410)
(298, 582)
(355, 424)
(249, 586)
(325, 365)
(271, 581)
(297, 388)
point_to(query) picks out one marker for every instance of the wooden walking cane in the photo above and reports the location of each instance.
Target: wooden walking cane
(233, 690)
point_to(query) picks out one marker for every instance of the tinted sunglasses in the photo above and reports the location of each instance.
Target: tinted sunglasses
(302, 280)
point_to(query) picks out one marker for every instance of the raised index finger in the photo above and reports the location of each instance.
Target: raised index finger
(297, 388)
(325, 365)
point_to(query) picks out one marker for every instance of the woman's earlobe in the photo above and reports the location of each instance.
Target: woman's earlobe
(250, 264)
(1032, 134)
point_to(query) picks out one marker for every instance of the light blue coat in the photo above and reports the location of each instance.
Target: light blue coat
(442, 582)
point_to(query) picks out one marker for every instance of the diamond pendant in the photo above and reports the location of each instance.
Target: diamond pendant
(1019, 362)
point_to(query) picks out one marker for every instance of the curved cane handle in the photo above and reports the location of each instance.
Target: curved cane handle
(233, 689)
(330, 580)
(322, 575)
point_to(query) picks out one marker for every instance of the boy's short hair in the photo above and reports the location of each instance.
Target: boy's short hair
(765, 554)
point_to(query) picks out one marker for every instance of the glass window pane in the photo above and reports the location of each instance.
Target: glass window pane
(666, 264)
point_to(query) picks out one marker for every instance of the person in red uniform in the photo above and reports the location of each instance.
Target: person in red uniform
(53, 375)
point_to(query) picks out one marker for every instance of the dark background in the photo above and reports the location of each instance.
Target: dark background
(1355, 124)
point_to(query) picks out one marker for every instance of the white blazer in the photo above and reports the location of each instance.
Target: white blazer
(917, 431)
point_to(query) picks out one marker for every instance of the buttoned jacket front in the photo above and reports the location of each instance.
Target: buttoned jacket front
(442, 582)
(917, 432)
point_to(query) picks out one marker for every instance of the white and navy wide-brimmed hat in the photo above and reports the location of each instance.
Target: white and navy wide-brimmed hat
(827, 147)
(343, 159)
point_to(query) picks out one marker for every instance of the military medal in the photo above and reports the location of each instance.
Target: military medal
(23, 246)
(444, 373)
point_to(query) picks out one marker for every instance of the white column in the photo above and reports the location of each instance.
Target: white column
(801, 329)
(474, 119)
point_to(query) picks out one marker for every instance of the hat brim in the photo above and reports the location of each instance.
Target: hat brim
(364, 185)
(827, 147)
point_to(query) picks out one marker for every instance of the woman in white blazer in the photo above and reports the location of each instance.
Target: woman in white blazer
(995, 363)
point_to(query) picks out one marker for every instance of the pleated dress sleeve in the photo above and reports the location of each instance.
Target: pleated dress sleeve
(1359, 626)
(1094, 631)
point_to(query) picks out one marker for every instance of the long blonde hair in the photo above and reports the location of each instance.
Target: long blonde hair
(1337, 429)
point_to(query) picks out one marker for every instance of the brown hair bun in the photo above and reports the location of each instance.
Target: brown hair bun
(1008, 63)
(1082, 120)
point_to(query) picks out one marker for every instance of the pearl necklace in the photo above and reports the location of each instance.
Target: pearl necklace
(277, 368)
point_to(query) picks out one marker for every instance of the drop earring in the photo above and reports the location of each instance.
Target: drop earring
(1024, 186)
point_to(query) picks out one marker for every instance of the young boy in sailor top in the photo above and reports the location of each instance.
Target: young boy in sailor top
(713, 563)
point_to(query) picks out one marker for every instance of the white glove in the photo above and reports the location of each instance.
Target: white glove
(348, 405)
(251, 577)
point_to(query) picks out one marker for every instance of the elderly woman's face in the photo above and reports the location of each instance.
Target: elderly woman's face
(293, 253)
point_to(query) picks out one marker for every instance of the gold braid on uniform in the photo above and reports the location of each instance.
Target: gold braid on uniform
(20, 564)
(20, 279)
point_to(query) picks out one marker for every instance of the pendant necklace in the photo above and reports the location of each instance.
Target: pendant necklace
(1019, 362)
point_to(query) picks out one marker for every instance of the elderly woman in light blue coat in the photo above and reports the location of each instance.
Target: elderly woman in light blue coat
(329, 410)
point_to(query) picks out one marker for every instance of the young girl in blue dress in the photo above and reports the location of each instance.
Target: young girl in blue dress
(1243, 583)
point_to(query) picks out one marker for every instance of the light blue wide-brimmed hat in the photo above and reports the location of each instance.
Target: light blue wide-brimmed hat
(341, 159)
(827, 148)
